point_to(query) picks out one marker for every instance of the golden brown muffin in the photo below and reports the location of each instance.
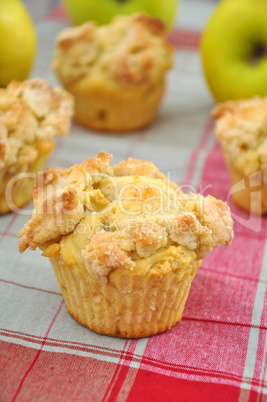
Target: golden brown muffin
(31, 115)
(241, 128)
(115, 72)
(124, 242)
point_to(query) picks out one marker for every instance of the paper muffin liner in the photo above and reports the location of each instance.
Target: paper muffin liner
(16, 191)
(251, 191)
(128, 305)
(110, 108)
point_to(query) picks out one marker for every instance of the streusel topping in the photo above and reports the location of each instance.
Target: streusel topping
(130, 51)
(115, 216)
(241, 127)
(31, 113)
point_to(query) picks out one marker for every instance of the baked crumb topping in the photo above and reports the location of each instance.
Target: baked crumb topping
(126, 216)
(241, 127)
(31, 114)
(130, 51)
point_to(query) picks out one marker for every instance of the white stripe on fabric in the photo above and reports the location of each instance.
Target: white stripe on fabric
(254, 332)
(263, 376)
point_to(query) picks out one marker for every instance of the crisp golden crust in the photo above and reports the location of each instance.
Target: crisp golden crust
(130, 51)
(241, 127)
(135, 167)
(31, 115)
(125, 221)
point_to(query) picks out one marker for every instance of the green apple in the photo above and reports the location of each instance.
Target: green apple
(102, 11)
(234, 49)
(18, 42)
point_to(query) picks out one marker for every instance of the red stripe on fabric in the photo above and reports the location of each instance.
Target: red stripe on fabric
(128, 357)
(191, 167)
(63, 343)
(193, 370)
(262, 382)
(123, 373)
(207, 133)
(21, 337)
(12, 221)
(189, 370)
(30, 287)
(153, 387)
(226, 273)
(260, 351)
(119, 383)
(116, 371)
(8, 234)
(61, 375)
(263, 392)
(55, 376)
(14, 359)
(253, 397)
(37, 354)
(194, 155)
(185, 38)
(58, 13)
(8, 331)
(230, 323)
(248, 235)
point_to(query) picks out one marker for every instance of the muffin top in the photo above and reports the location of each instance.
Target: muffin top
(129, 216)
(241, 127)
(129, 51)
(31, 113)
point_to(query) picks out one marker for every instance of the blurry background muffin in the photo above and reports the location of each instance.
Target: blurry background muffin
(31, 114)
(241, 127)
(115, 72)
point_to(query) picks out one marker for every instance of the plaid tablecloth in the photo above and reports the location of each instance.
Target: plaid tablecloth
(218, 351)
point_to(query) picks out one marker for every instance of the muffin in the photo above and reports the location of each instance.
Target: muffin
(241, 127)
(31, 115)
(115, 72)
(125, 243)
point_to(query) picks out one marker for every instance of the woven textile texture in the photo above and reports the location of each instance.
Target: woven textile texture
(218, 351)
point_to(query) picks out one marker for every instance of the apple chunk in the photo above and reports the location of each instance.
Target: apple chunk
(234, 50)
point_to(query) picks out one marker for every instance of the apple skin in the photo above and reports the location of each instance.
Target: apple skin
(235, 33)
(18, 42)
(103, 11)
